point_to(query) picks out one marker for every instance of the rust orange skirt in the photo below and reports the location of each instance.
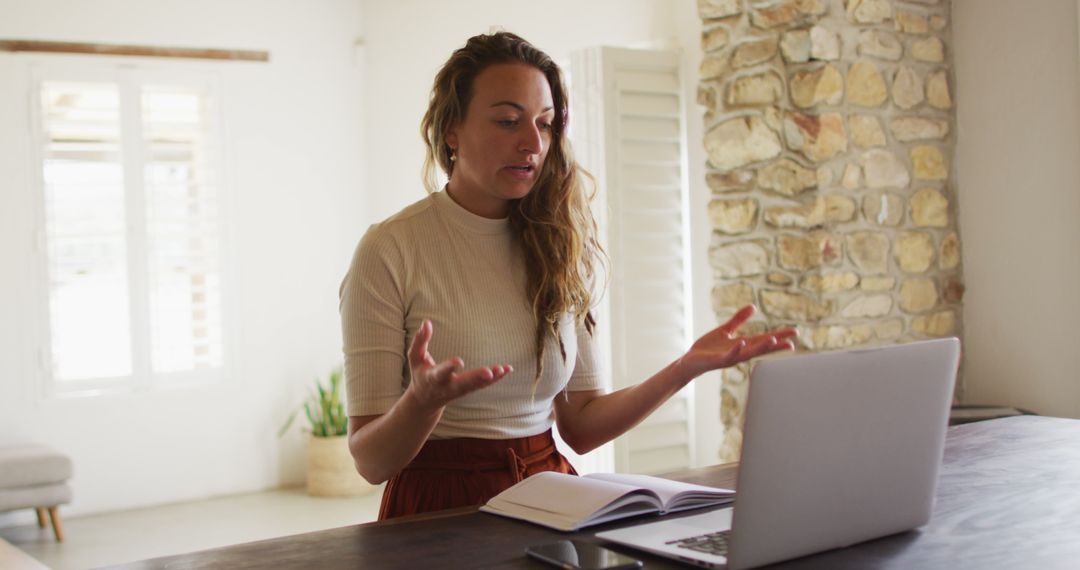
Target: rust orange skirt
(460, 472)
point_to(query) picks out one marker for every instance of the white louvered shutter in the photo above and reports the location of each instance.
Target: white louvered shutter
(85, 228)
(131, 226)
(631, 112)
(183, 228)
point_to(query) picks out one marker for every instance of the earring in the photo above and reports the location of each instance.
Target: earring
(453, 154)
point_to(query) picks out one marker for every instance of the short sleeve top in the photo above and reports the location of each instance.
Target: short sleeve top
(435, 260)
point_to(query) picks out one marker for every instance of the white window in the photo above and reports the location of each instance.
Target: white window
(130, 228)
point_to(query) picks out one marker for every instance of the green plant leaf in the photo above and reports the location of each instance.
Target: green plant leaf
(324, 408)
(312, 419)
(288, 423)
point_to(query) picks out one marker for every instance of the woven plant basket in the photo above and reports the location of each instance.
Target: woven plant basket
(331, 471)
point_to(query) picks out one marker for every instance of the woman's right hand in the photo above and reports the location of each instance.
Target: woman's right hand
(433, 385)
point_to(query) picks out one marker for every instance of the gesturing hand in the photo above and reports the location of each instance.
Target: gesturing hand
(435, 384)
(720, 348)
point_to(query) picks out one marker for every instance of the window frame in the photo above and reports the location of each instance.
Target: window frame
(129, 76)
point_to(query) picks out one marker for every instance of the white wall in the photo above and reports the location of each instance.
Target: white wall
(408, 40)
(1018, 171)
(293, 167)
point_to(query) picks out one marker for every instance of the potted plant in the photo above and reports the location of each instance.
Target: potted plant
(330, 468)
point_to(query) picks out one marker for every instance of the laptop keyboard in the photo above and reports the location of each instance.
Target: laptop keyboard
(715, 543)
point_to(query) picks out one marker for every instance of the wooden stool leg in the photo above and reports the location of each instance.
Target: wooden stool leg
(58, 529)
(40, 517)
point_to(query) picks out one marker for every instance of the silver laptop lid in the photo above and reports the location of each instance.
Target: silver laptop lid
(840, 447)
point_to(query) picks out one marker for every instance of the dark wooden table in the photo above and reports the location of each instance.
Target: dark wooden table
(1008, 497)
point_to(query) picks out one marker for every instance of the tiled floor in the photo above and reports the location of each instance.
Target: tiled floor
(114, 538)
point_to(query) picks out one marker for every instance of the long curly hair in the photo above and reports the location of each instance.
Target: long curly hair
(553, 223)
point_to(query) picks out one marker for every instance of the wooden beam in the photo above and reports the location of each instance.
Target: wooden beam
(132, 50)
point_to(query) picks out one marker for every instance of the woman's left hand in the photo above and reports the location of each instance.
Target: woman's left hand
(721, 348)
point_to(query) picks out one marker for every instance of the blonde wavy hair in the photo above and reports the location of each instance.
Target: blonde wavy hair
(553, 223)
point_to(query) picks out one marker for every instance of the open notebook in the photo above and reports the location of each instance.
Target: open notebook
(568, 502)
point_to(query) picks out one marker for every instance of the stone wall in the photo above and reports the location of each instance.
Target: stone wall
(830, 136)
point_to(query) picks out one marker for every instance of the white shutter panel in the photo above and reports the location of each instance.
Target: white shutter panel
(131, 226)
(183, 225)
(86, 232)
(635, 146)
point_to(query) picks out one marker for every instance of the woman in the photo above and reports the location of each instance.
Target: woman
(496, 270)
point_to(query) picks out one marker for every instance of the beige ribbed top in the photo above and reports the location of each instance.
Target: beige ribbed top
(435, 260)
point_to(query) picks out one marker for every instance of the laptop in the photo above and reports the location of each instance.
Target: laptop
(838, 448)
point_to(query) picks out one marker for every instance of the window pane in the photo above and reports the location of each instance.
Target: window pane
(85, 231)
(182, 214)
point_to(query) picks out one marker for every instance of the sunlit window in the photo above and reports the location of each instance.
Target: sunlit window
(182, 221)
(131, 230)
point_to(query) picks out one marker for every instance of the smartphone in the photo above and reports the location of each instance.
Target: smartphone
(576, 555)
